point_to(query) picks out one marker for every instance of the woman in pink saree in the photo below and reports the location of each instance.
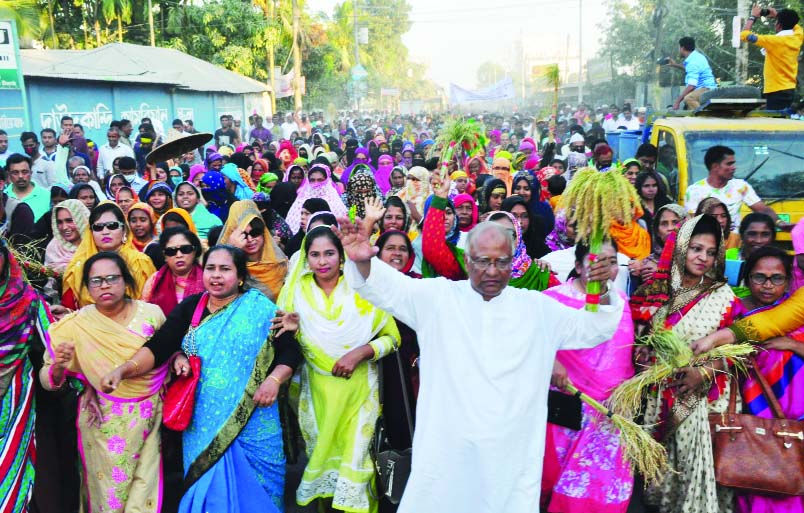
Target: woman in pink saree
(585, 470)
(768, 274)
(118, 433)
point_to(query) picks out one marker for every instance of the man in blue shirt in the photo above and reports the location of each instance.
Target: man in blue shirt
(698, 74)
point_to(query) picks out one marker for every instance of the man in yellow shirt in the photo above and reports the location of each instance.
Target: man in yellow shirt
(781, 54)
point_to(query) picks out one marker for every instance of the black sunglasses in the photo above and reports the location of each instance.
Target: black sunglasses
(112, 225)
(185, 249)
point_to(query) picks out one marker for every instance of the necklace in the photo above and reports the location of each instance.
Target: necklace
(213, 306)
(684, 289)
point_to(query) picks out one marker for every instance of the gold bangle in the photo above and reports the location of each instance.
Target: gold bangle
(704, 374)
(275, 379)
(136, 365)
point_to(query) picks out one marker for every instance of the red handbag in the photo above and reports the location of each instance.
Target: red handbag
(177, 408)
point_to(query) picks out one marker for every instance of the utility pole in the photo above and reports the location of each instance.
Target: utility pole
(741, 54)
(522, 62)
(151, 22)
(268, 10)
(658, 21)
(580, 51)
(355, 80)
(357, 36)
(297, 96)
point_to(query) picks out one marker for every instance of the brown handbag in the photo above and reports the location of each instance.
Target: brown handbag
(754, 454)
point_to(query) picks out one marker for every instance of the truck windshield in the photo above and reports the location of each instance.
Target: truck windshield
(772, 162)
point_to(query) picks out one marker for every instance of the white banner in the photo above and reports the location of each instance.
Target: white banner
(502, 90)
(284, 85)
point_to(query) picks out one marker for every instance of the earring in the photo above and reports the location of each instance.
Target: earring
(125, 239)
(241, 283)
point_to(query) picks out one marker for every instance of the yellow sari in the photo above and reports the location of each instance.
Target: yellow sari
(272, 267)
(121, 458)
(139, 264)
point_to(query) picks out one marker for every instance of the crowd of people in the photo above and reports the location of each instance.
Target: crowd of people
(292, 259)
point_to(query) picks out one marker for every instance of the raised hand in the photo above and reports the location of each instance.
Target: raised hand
(237, 239)
(441, 185)
(284, 321)
(354, 240)
(374, 212)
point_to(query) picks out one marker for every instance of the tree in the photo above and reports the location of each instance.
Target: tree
(630, 29)
(25, 14)
(117, 10)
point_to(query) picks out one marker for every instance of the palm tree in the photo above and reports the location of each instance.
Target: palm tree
(119, 10)
(553, 77)
(26, 15)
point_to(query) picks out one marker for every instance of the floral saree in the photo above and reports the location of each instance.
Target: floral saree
(121, 458)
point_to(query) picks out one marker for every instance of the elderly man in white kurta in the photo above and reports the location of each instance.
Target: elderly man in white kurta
(487, 355)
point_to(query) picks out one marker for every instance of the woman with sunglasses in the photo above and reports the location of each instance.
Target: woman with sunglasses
(180, 277)
(118, 433)
(245, 229)
(107, 231)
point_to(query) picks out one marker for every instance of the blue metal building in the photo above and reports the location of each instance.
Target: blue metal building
(129, 81)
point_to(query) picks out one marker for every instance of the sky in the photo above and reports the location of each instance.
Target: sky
(453, 37)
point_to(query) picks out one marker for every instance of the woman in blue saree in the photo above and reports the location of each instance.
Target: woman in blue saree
(233, 455)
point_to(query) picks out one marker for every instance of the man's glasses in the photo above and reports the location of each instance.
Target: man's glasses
(112, 225)
(97, 281)
(185, 249)
(482, 264)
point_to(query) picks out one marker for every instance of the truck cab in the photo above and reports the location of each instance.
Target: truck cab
(769, 153)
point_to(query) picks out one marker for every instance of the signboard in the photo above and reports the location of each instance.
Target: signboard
(502, 90)
(598, 71)
(13, 108)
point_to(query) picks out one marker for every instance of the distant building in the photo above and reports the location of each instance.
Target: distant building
(122, 80)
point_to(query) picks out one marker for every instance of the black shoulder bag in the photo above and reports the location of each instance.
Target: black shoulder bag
(392, 466)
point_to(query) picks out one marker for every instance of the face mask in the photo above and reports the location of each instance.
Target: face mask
(30, 151)
(176, 180)
(407, 161)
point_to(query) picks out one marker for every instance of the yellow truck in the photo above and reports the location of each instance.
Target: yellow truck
(769, 153)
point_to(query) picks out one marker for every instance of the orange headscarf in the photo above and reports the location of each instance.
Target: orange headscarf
(272, 266)
(139, 264)
(181, 213)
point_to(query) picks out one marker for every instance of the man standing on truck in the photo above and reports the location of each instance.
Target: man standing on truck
(781, 54)
(698, 74)
(721, 184)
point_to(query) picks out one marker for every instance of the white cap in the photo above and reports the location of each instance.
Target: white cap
(576, 137)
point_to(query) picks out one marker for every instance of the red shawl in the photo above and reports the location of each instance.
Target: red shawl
(163, 292)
